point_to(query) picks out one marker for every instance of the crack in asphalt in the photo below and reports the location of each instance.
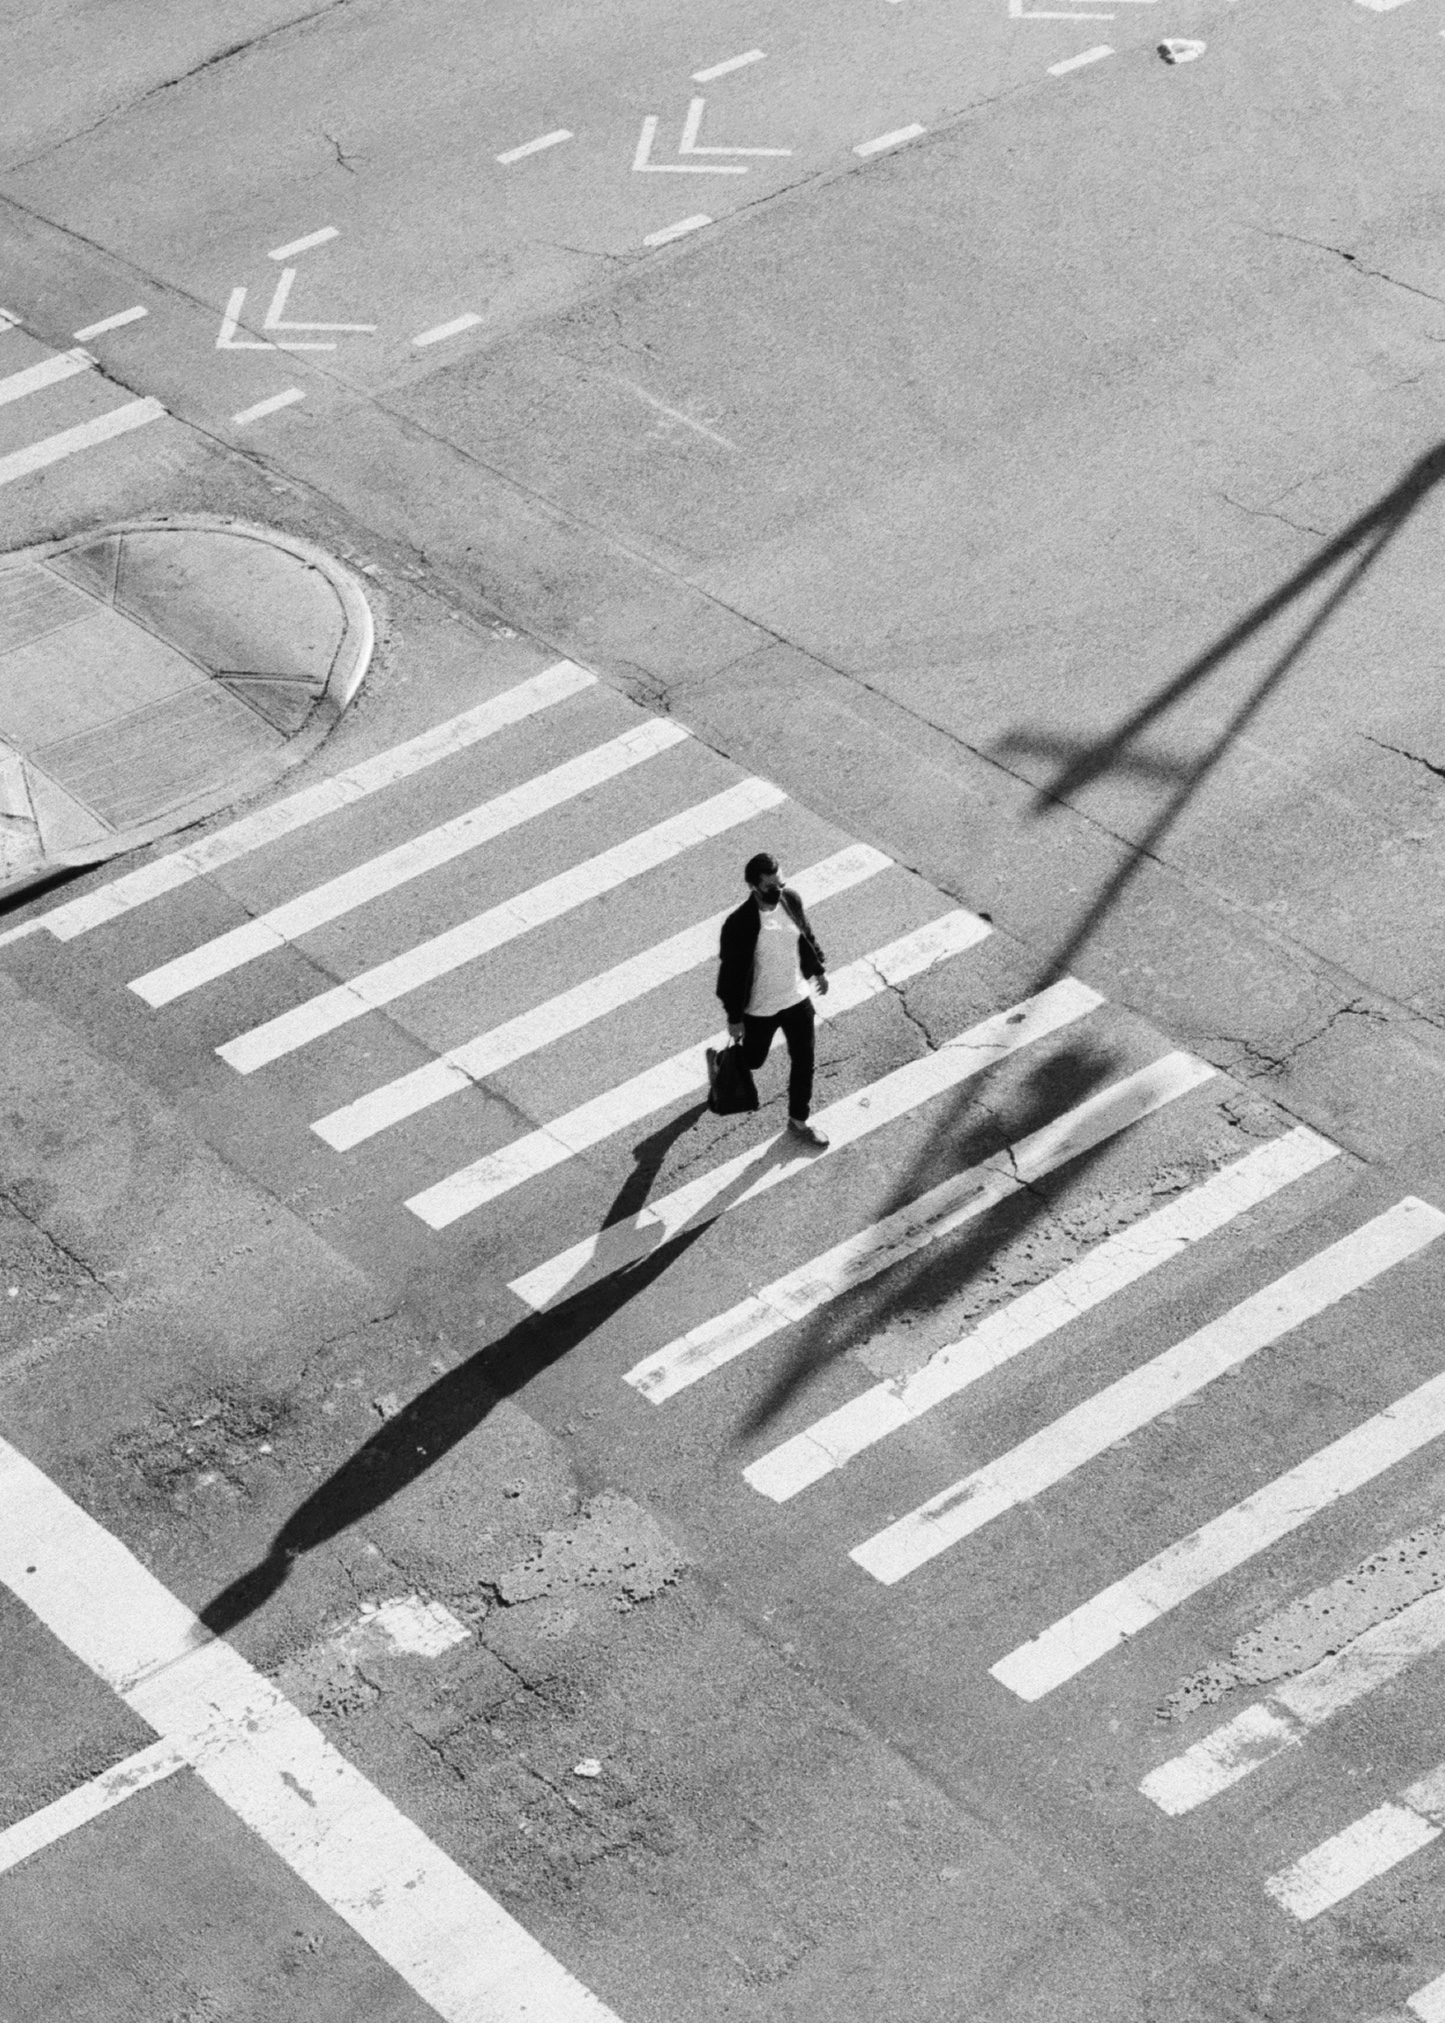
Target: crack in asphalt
(1415, 758)
(1351, 260)
(1266, 1063)
(1270, 513)
(172, 83)
(34, 1222)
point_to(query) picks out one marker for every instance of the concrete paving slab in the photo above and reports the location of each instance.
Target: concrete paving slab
(153, 673)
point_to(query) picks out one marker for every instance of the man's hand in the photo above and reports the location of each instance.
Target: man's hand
(822, 984)
(736, 1031)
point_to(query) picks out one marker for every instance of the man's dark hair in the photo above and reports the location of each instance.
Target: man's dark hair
(761, 866)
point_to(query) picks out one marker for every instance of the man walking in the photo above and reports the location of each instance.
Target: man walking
(768, 952)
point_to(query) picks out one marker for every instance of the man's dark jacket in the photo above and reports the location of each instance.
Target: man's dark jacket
(739, 945)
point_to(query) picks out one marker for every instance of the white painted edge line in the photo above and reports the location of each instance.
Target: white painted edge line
(1214, 1549)
(264, 407)
(304, 245)
(88, 1801)
(693, 224)
(853, 1117)
(1135, 1400)
(1119, 1261)
(118, 421)
(939, 1212)
(467, 321)
(282, 818)
(1078, 62)
(110, 323)
(419, 1911)
(470, 939)
(721, 69)
(669, 1081)
(542, 1025)
(535, 147)
(374, 876)
(889, 140)
(1261, 1732)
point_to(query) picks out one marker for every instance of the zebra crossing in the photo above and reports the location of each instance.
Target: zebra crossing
(33, 373)
(610, 955)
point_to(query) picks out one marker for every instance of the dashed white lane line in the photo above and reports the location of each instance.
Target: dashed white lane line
(1264, 1731)
(535, 147)
(852, 1118)
(676, 231)
(282, 818)
(666, 1082)
(264, 407)
(413, 859)
(451, 1942)
(110, 323)
(832, 1442)
(304, 245)
(48, 372)
(470, 939)
(938, 1213)
(889, 140)
(722, 69)
(118, 421)
(467, 321)
(1137, 1399)
(1077, 62)
(88, 1801)
(544, 1024)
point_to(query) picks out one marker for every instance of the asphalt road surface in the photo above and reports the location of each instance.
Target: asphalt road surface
(992, 1568)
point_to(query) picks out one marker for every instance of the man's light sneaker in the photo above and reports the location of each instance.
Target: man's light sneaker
(809, 1133)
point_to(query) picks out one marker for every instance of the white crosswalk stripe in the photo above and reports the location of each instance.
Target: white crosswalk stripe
(1157, 1386)
(673, 1080)
(487, 931)
(412, 859)
(297, 811)
(1264, 1731)
(765, 1166)
(1192, 1563)
(1366, 1849)
(465, 1066)
(51, 371)
(936, 1214)
(1117, 1262)
(1173, 1106)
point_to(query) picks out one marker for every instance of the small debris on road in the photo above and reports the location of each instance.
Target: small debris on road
(1178, 50)
(588, 1767)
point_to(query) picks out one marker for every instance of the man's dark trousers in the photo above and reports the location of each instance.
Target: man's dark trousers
(796, 1025)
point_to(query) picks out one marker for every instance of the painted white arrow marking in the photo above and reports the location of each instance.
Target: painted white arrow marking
(230, 322)
(688, 145)
(278, 304)
(642, 165)
(691, 126)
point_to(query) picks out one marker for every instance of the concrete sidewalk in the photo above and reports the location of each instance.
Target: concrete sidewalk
(152, 673)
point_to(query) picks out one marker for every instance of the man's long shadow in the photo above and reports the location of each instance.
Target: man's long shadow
(434, 1422)
(441, 1416)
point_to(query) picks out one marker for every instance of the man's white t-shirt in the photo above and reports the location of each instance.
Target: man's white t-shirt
(777, 978)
